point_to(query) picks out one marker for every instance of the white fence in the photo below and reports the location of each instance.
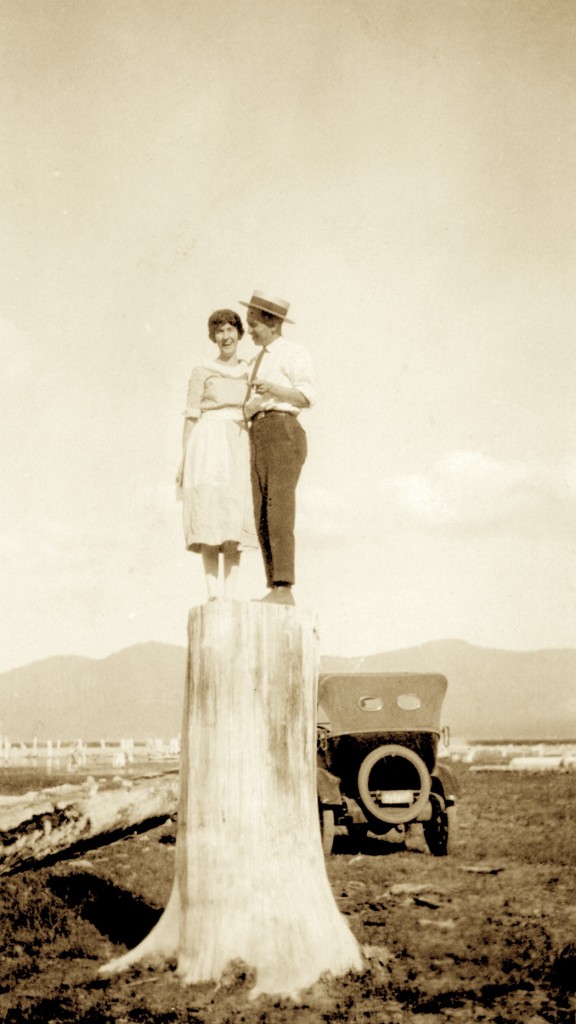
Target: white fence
(525, 757)
(71, 754)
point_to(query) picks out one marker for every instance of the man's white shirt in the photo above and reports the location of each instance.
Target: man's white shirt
(288, 365)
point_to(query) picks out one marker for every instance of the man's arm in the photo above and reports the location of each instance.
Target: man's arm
(265, 389)
(302, 392)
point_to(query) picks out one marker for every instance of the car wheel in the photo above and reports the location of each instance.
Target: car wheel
(328, 828)
(436, 830)
(393, 815)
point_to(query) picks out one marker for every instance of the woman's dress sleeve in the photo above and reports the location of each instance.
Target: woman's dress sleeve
(195, 392)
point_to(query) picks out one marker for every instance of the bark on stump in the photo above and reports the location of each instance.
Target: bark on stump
(250, 882)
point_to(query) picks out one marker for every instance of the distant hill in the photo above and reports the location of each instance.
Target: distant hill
(137, 692)
(492, 694)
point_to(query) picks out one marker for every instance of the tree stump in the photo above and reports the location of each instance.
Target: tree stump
(250, 881)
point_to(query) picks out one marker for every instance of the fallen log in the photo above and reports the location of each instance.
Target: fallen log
(39, 825)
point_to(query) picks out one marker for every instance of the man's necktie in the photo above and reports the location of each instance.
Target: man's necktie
(253, 375)
(256, 366)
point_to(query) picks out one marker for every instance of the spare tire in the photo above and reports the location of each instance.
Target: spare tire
(390, 814)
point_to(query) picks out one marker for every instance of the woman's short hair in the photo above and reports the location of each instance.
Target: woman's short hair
(221, 317)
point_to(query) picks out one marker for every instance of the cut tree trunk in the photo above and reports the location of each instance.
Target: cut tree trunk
(250, 883)
(40, 825)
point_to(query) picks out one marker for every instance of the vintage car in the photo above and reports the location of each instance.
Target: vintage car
(378, 771)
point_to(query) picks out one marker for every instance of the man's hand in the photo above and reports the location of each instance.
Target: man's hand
(265, 388)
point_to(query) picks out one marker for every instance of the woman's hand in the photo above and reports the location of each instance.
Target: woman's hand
(186, 431)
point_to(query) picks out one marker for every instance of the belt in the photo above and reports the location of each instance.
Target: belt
(271, 412)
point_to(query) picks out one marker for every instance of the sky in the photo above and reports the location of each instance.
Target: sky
(403, 173)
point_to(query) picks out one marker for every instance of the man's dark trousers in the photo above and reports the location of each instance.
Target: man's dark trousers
(279, 448)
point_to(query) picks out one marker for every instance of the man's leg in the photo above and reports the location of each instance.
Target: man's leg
(259, 472)
(286, 453)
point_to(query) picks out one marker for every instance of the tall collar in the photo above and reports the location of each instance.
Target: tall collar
(273, 343)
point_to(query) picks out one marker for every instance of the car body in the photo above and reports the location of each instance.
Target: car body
(378, 770)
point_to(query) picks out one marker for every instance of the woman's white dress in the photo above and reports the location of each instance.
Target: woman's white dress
(216, 487)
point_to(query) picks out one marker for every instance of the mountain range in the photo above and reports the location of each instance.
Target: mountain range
(138, 692)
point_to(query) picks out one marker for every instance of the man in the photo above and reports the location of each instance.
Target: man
(282, 383)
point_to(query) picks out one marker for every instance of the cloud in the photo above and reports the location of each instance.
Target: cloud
(124, 536)
(327, 516)
(464, 493)
(469, 491)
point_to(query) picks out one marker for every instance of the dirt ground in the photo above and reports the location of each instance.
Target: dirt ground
(485, 934)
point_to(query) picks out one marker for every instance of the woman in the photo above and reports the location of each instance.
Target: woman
(214, 471)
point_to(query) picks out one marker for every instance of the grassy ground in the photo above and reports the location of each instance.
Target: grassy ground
(482, 935)
(19, 779)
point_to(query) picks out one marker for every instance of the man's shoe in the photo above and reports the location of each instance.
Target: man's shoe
(280, 595)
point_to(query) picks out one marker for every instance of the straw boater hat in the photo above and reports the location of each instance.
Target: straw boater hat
(279, 307)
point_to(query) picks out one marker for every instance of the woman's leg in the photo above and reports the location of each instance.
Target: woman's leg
(231, 566)
(210, 561)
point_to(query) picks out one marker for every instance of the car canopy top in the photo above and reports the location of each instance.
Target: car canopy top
(379, 702)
